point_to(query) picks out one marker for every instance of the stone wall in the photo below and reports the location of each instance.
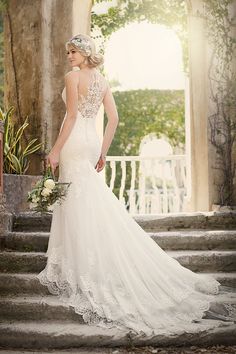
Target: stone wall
(35, 33)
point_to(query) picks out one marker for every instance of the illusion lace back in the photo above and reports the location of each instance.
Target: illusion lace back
(101, 262)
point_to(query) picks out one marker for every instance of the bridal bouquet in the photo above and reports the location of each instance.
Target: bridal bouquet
(46, 192)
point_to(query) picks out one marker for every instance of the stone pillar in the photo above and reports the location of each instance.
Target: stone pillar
(233, 15)
(205, 178)
(201, 152)
(198, 140)
(35, 33)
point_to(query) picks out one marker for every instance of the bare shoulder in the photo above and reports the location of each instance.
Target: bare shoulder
(72, 75)
(101, 75)
(104, 79)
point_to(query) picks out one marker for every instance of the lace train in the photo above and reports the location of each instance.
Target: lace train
(177, 319)
(101, 262)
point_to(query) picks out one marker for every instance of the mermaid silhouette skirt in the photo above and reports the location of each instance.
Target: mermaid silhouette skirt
(104, 265)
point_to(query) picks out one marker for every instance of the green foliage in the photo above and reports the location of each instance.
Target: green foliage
(15, 156)
(171, 13)
(142, 112)
(220, 31)
(46, 192)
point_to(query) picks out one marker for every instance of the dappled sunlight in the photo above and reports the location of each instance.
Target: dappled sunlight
(144, 55)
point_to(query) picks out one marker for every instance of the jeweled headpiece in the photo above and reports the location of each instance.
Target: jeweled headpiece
(82, 43)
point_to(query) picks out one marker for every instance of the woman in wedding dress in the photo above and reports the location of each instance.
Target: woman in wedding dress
(99, 260)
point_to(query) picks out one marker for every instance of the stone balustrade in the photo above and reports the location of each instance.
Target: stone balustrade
(157, 184)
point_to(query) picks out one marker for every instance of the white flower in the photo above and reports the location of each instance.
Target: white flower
(35, 199)
(45, 192)
(32, 205)
(49, 183)
(51, 207)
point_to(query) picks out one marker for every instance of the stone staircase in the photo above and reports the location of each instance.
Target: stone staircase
(33, 318)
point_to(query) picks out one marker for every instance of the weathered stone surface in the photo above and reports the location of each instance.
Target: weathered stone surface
(25, 241)
(203, 261)
(16, 188)
(6, 222)
(35, 63)
(38, 308)
(41, 308)
(196, 239)
(208, 220)
(27, 283)
(167, 240)
(29, 221)
(70, 335)
(30, 311)
(22, 262)
(147, 349)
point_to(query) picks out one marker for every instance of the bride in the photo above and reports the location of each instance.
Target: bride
(99, 260)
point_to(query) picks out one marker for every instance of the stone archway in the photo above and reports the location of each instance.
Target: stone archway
(34, 68)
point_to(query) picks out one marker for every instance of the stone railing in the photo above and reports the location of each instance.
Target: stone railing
(149, 185)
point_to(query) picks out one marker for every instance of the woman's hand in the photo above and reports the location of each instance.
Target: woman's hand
(52, 159)
(101, 163)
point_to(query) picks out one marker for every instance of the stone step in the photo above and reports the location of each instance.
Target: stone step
(22, 262)
(196, 239)
(198, 261)
(40, 308)
(62, 335)
(168, 240)
(27, 283)
(25, 241)
(29, 221)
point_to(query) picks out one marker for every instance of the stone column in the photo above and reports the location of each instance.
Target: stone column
(205, 178)
(35, 33)
(198, 100)
(201, 152)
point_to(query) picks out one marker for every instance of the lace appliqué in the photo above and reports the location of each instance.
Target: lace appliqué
(89, 104)
(60, 280)
(98, 301)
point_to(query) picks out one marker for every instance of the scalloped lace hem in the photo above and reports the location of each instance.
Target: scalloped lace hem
(171, 321)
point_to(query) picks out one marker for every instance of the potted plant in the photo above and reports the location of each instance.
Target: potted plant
(16, 183)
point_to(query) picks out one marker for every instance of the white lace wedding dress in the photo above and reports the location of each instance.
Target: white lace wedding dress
(101, 262)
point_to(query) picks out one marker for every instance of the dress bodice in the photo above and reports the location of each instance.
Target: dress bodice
(90, 103)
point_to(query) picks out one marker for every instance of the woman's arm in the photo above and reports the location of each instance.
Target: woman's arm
(113, 119)
(71, 84)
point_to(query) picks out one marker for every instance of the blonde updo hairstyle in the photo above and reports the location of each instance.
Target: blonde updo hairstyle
(85, 45)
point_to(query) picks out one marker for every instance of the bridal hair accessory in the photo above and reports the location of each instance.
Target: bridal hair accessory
(83, 43)
(87, 48)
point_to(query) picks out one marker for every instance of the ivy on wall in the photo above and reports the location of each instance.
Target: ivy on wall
(221, 33)
(171, 13)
